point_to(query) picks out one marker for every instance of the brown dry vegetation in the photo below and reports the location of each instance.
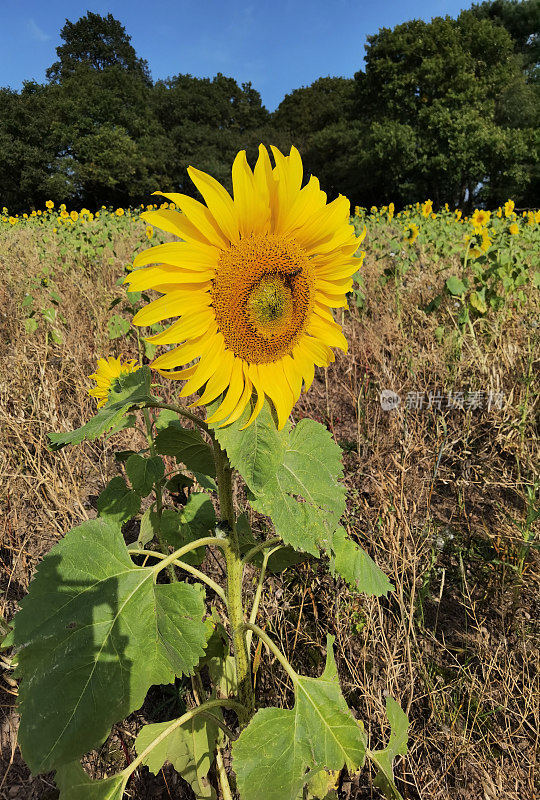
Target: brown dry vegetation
(438, 497)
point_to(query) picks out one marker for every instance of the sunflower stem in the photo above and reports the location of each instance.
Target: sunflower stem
(235, 568)
(183, 412)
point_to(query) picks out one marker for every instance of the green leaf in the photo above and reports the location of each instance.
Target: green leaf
(455, 286)
(189, 748)
(129, 421)
(31, 325)
(148, 527)
(478, 301)
(322, 785)
(178, 483)
(118, 502)
(223, 675)
(433, 305)
(149, 350)
(133, 297)
(187, 446)
(117, 327)
(56, 336)
(94, 633)
(73, 782)
(439, 333)
(143, 473)
(49, 315)
(123, 455)
(164, 418)
(255, 452)
(197, 519)
(397, 745)
(204, 481)
(304, 497)
(267, 757)
(356, 567)
(272, 754)
(128, 391)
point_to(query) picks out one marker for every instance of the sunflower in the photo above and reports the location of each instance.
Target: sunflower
(411, 232)
(107, 370)
(509, 208)
(253, 283)
(480, 217)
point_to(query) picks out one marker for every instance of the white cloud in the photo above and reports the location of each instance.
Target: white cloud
(36, 32)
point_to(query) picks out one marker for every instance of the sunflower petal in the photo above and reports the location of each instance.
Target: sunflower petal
(200, 217)
(219, 202)
(242, 403)
(178, 254)
(236, 388)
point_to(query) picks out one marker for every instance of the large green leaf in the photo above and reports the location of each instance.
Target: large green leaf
(143, 473)
(397, 745)
(94, 633)
(117, 501)
(189, 748)
(195, 520)
(304, 497)
(187, 446)
(356, 567)
(74, 784)
(455, 286)
(256, 451)
(128, 391)
(293, 475)
(272, 754)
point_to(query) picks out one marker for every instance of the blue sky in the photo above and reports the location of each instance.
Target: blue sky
(278, 46)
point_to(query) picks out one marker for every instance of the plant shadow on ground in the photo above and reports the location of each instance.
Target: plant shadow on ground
(437, 496)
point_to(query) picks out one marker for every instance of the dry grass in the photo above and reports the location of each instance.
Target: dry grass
(438, 497)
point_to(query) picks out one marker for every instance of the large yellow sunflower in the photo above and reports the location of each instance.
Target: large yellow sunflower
(253, 283)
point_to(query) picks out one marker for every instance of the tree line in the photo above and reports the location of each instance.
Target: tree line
(447, 109)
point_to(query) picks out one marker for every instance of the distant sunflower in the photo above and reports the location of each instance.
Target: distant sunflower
(107, 370)
(480, 217)
(253, 283)
(411, 232)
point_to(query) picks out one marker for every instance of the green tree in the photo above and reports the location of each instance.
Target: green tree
(206, 121)
(445, 81)
(30, 166)
(98, 42)
(310, 109)
(107, 135)
(521, 18)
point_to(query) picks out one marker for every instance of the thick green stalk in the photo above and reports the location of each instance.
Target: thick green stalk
(235, 569)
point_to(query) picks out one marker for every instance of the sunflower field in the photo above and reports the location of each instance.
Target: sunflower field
(270, 496)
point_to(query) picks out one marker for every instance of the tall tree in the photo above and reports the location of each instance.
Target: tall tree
(206, 122)
(521, 18)
(445, 80)
(98, 42)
